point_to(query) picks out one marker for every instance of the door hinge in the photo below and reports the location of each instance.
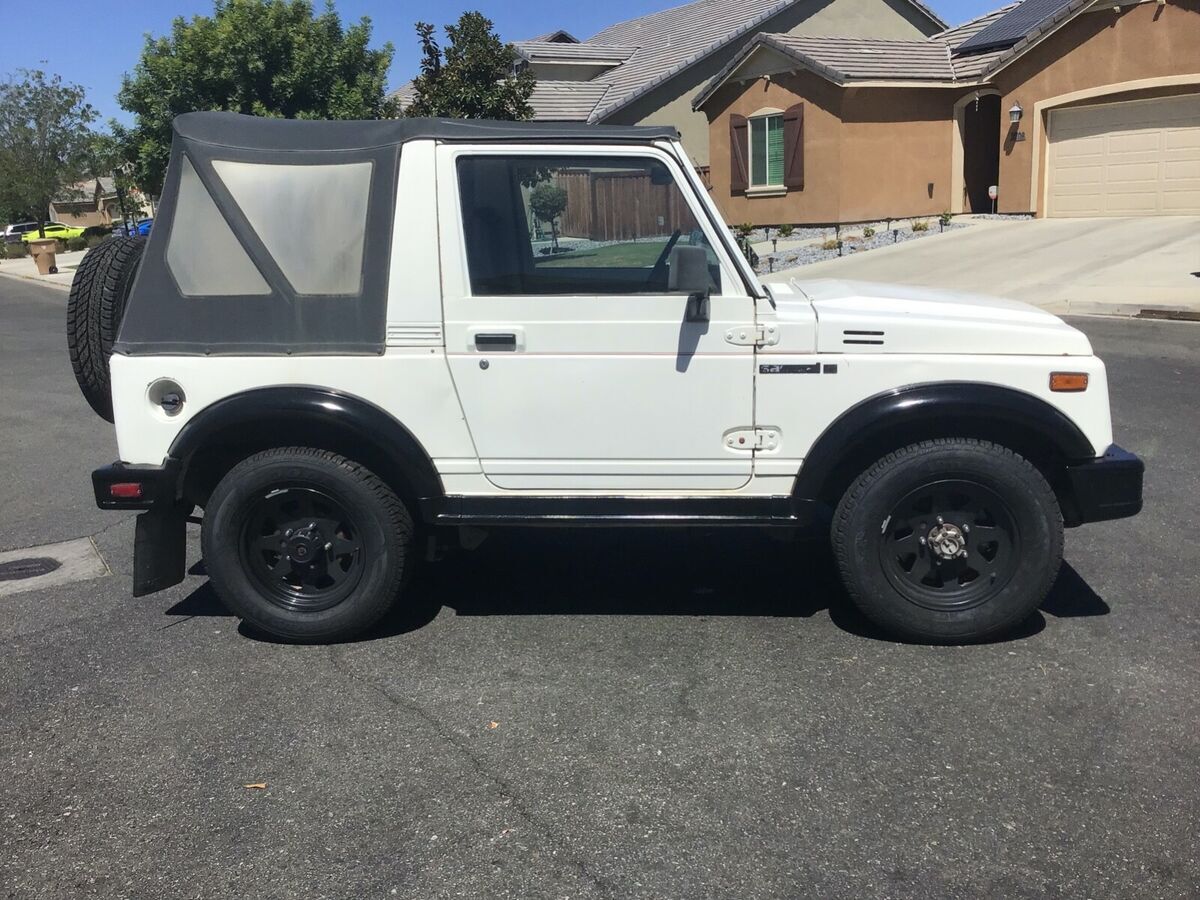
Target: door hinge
(753, 439)
(752, 335)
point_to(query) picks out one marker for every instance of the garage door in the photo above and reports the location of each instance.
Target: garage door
(1139, 158)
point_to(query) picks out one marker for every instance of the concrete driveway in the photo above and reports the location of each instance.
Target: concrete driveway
(1113, 266)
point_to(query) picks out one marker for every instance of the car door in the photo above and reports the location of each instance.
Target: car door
(577, 368)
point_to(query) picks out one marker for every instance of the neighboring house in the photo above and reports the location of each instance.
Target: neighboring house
(95, 202)
(1069, 107)
(646, 71)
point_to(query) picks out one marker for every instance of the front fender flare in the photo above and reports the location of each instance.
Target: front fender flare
(936, 409)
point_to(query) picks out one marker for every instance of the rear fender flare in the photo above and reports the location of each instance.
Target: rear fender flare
(327, 414)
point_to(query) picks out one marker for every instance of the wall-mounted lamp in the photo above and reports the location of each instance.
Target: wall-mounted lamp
(1015, 113)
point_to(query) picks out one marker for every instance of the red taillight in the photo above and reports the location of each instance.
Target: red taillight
(125, 490)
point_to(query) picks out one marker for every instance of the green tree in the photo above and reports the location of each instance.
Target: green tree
(260, 57)
(44, 142)
(474, 77)
(547, 201)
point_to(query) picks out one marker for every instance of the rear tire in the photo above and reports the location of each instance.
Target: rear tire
(949, 541)
(305, 544)
(95, 308)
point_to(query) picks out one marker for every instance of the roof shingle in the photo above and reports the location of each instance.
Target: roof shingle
(538, 51)
(858, 59)
(565, 101)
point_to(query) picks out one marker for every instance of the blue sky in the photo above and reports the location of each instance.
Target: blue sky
(95, 43)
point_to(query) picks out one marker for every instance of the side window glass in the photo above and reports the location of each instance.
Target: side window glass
(578, 225)
(311, 218)
(203, 254)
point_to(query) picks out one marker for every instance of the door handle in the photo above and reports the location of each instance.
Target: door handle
(501, 341)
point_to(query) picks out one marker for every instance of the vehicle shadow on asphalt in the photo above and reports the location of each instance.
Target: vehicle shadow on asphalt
(645, 571)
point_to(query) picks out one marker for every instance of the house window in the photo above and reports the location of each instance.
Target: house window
(766, 151)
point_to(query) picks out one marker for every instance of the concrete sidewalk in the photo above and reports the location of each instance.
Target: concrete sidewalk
(27, 268)
(1117, 266)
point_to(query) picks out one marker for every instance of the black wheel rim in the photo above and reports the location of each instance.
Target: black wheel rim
(950, 545)
(302, 548)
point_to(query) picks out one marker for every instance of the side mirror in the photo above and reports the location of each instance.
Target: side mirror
(689, 275)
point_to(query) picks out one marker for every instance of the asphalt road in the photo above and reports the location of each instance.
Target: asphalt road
(677, 715)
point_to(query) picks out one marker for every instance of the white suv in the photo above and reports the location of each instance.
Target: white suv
(510, 324)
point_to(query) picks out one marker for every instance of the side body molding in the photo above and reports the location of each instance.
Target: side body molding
(322, 414)
(895, 418)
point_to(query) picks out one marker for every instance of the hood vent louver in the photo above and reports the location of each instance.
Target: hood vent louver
(862, 337)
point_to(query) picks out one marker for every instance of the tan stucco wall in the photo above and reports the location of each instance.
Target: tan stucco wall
(821, 198)
(671, 103)
(895, 153)
(1098, 49)
(868, 154)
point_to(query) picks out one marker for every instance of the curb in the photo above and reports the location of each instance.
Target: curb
(37, 279)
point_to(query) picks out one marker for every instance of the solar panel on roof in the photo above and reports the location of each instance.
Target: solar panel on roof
(1012, 26)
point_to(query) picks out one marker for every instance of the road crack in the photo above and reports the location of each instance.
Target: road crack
(506, 791)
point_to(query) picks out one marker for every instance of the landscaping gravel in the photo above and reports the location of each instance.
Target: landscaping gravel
(852, 242)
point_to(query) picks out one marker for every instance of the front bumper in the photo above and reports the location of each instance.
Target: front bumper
(1109, 487)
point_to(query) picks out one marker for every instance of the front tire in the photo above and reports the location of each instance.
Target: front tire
(305, 544)
(949, 541)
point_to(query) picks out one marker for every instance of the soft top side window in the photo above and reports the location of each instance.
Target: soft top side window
(574, 225)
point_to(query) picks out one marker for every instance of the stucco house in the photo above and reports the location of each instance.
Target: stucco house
(95, 202)
(647, 70)
(1068, 107)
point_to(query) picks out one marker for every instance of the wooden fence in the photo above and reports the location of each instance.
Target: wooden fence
(618, 206)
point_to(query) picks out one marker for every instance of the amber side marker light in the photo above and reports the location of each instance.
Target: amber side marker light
(1068, 382)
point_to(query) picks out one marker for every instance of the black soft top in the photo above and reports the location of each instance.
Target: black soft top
(227, 129)
(274, 236)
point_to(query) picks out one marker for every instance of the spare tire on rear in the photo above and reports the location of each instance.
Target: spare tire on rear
(94, 312)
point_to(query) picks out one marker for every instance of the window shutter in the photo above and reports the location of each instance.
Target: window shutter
(739, 139)
(793, 147)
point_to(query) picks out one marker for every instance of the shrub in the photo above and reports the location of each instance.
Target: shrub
(831, 244)
(95, 241)
(920, 225)
(101, 231)
(744, 230)
(76, 243)
(868, 232)
(15, 251)
(945, 218)
(786, 231)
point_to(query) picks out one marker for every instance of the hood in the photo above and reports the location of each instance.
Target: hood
(865, 317)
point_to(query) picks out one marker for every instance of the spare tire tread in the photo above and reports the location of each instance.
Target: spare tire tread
(94, 311)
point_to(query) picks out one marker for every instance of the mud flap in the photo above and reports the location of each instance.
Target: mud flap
(159, 550)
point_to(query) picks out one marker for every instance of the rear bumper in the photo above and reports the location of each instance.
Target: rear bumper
(1109, 487)
(159, 485)
(160, 541)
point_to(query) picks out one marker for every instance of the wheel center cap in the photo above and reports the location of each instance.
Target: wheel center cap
(304, 545)
(947, 541)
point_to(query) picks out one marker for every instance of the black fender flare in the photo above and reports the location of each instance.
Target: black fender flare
(379, 433)
(938, 409)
